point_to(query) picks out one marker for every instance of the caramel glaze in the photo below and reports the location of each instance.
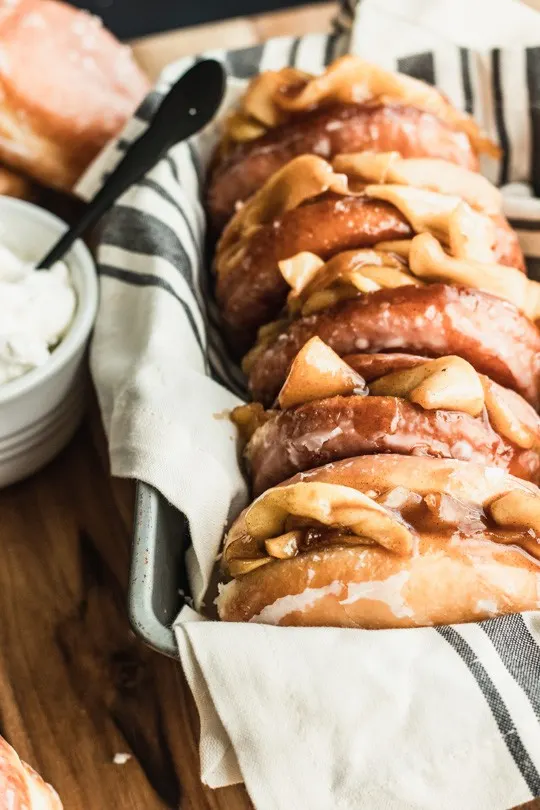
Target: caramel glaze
(319, 432)
(373, 366)
(253, 292)
(445, 519)
(435, 320)
(333, 130)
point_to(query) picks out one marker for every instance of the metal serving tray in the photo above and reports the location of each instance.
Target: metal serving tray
(158, 583)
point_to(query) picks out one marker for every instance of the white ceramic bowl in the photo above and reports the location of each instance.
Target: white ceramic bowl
(40, 411)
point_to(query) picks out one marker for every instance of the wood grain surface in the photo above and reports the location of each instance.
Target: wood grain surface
(153, 53)
(76, 686)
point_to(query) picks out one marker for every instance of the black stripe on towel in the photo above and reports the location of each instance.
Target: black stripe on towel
(342, 21)
(533, 85)
(519, 653)
(524, 224)
(173, 167)
(498, 708)
(245, 62)
(466, 79)
(533, 268)
(123, 144)
(294, 51)
(348, 7)
(419, 66)
(131, 229)
(504, 143)
(146, 182)
(196, 161)
(149, 280)
(147, 109)
(330, 49)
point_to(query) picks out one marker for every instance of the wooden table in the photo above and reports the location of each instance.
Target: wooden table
(76, 686)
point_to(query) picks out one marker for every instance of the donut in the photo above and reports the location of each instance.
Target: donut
(67, 87)
(433, 321)
(352, 106)
(309, 207)
(385, 541)
(442, 409)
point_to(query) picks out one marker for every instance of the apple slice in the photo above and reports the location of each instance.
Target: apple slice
(428, 260)
(471, 235)
(449, 383)
(239, 567)
(426, 211)
(511, 415)
(517, 509)
(248, 418)
(346, 275)
(401, 247)
(290, 544)
(318, 372)
(240, 128)
(299, 270)
(371, 167)
(330, 505)
(285, 546)
(431, 174)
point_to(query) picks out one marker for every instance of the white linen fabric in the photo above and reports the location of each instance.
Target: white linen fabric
(315, 718)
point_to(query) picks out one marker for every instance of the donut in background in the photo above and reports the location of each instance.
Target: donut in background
(21, 788)
(67, 86)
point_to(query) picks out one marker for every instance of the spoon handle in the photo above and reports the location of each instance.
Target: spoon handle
(180, 115)
(138, 160)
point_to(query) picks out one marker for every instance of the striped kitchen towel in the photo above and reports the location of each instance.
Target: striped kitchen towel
(315, 718)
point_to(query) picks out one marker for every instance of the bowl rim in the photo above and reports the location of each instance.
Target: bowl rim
(87, 302)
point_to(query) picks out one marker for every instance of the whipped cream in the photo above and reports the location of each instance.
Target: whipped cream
(36, 310)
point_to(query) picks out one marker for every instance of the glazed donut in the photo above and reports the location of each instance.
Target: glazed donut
(67, 87)
(443, 408)
(308, 207)
(21, 788)
(385, 541)
(13, 185)
(254, 292)
(328, 132)
(351, 107)
(373, 366)
(435, 320)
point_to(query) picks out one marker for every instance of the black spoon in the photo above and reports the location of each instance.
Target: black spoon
(188, 107)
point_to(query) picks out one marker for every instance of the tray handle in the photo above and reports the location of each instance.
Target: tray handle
(158, 582)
